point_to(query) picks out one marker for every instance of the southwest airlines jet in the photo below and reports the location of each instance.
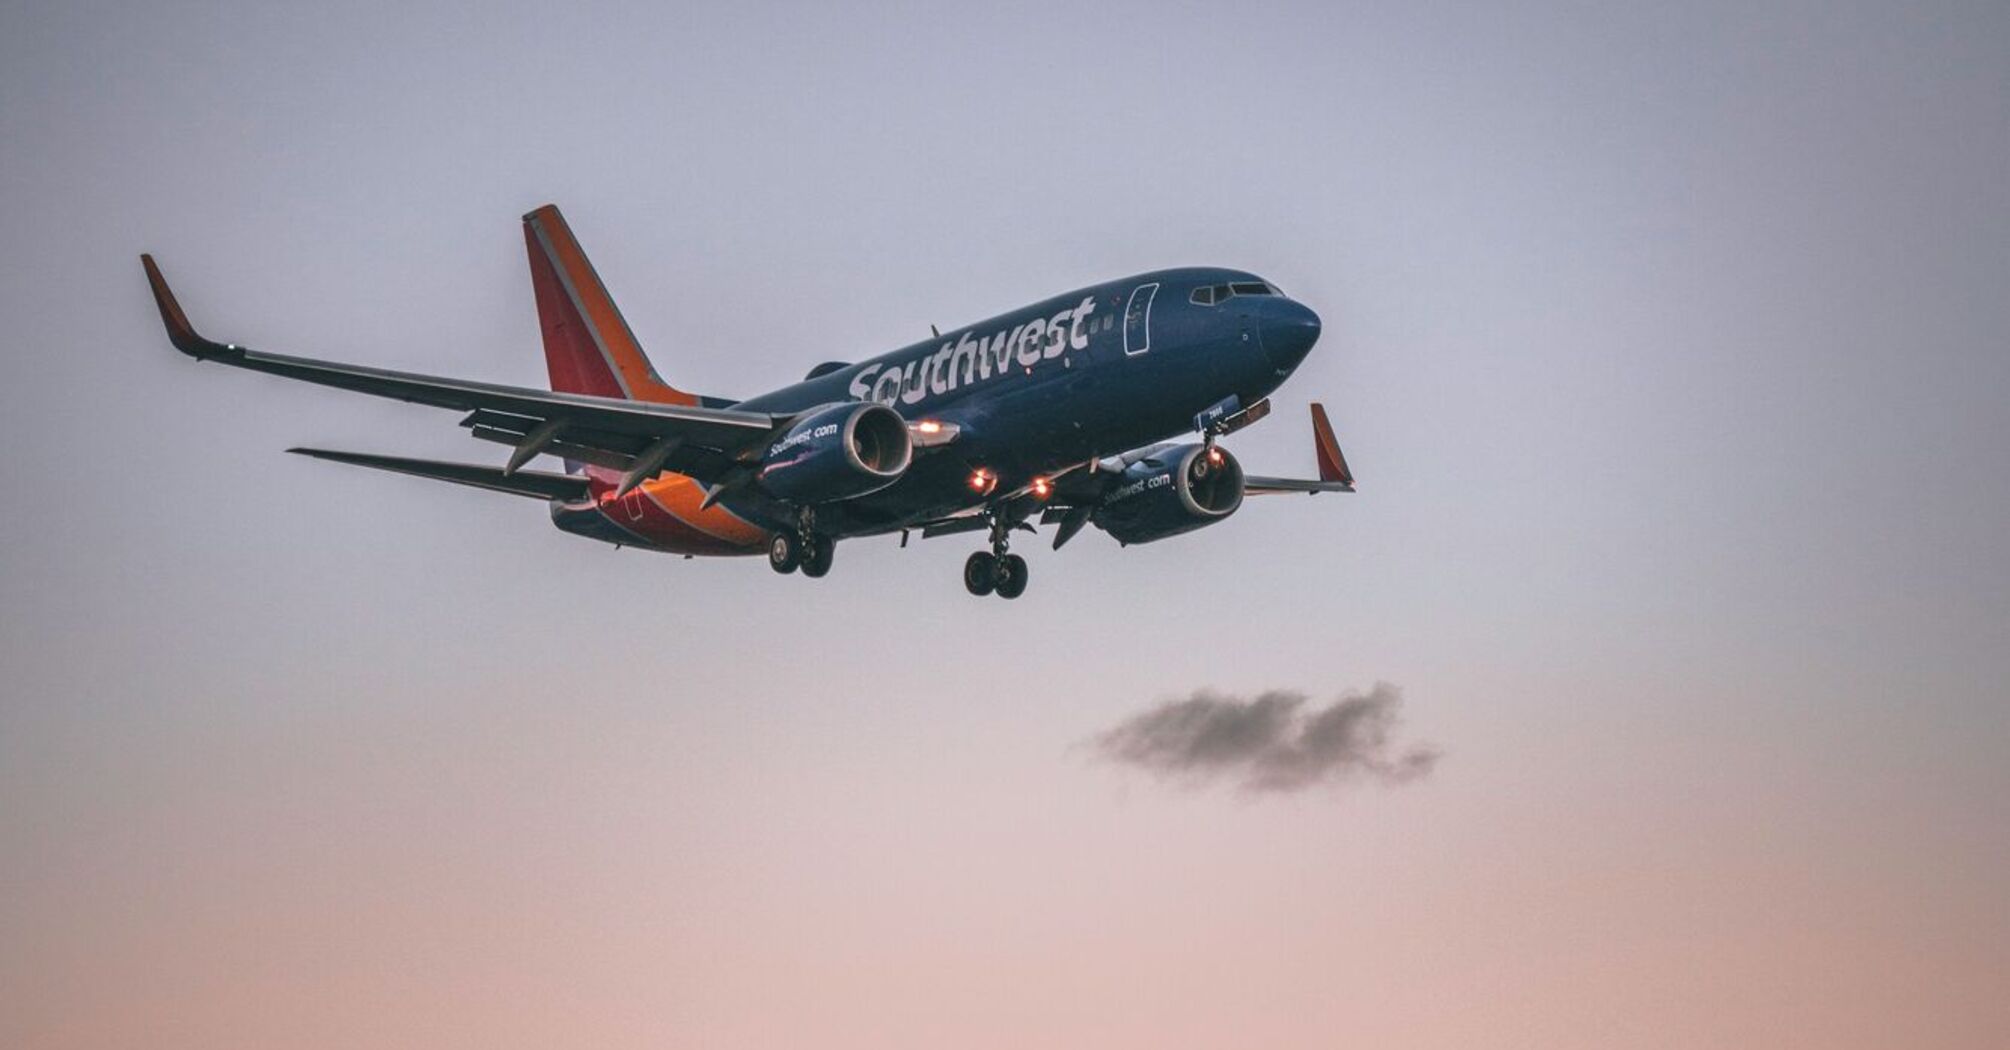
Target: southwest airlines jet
(1098, 407)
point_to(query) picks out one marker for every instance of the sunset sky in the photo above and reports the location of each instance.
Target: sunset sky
(1670, 344)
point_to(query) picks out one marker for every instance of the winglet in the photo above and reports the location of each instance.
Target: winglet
(1332, 465)
(182, 334)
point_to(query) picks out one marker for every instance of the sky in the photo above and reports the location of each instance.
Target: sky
(1670, 344)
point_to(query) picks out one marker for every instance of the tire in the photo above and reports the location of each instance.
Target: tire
(784, 553)
(980, 573)
(817, 554)
(1011, 576)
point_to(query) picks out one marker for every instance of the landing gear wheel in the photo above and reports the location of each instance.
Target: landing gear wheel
(785, 552)
(980, 573)
(817, 554)
(1011, 576)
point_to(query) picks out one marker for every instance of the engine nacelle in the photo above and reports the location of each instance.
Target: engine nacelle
(837, 452)
(1173, 490)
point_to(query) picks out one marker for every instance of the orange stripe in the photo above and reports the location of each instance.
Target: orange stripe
(672, 520)
(641, 516)
(681, 496)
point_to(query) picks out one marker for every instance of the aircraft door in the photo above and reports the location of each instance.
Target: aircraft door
(1138, 319)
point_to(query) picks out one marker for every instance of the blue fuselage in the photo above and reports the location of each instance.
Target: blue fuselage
(1094, 372)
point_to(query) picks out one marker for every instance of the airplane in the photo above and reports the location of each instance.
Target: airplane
(1070, 411)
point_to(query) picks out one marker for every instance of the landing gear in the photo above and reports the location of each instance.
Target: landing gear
(789, 551)
(995, 571)
(817, 553)
(1011, 576)
(1210, 457)
(986, 573)
(980, 573)
(785, 552)
(802, 547)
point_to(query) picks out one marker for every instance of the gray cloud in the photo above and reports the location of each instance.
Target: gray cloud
(1270, 743)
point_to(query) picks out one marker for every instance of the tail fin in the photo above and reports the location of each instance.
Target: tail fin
(587, 346)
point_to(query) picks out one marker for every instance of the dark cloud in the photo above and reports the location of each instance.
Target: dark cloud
(1271, 743)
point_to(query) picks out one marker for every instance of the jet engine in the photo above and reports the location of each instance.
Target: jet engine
(1173, 490)
(837, 452)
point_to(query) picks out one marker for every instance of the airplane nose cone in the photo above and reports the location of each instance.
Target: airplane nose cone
(1289, 330)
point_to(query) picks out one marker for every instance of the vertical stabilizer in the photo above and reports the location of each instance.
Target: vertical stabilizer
(587, 345)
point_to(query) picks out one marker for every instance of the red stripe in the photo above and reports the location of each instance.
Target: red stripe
(590, 312)
(574, 362)
(639, 513)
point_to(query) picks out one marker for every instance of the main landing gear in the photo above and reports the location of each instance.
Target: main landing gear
(802, 549)
(995, 571)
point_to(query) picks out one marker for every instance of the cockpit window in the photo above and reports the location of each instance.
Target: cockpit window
(1221, 293)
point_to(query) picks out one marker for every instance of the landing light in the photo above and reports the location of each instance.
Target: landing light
(1214, 456)
(982, 481)
(928, 433)
(1042, 488)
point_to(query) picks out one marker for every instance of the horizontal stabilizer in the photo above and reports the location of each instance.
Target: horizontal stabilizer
(1261, 486)
(1334, 474)
(535, 483)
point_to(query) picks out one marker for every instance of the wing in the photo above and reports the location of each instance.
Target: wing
(1334, 475)
(637, 436)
